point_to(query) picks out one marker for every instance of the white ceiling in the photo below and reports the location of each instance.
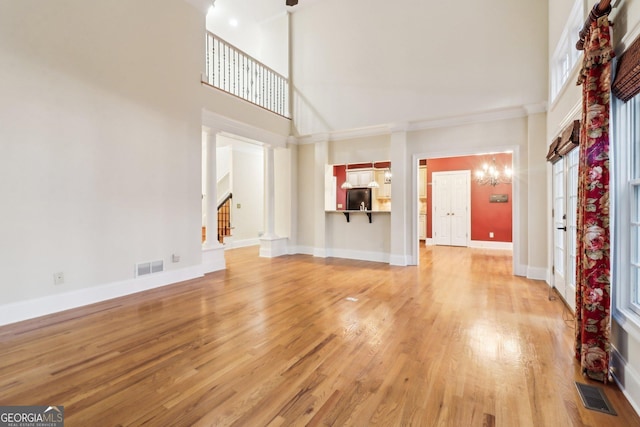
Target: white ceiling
(256, 11)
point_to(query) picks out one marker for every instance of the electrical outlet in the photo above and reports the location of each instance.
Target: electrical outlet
(175, 258)
(238, 205)
(491, 234)
(58, 278)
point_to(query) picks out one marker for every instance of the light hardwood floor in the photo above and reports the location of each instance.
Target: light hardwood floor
(297, 340)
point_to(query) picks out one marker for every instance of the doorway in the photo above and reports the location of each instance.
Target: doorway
(450, 208)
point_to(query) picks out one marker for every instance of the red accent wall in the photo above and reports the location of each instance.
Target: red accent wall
(485, 216)
(340, 172)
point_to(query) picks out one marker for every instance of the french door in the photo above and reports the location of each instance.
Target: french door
(565, 207)
(450, 208)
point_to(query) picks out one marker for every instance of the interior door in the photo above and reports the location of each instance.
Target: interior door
(459, 209)
(441, 209)
(559, 228)
(451, 208)
(572, 227)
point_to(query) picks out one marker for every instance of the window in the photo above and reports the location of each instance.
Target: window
(626, 208)
(566, 56)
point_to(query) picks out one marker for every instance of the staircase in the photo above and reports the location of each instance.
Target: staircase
(224, 218)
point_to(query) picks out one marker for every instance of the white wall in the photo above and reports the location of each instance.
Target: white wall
(285, 168)
(101, 142)
(248, 193)
(305, 200)
(383, 63)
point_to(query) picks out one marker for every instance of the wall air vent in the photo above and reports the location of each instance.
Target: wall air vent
(144, 268)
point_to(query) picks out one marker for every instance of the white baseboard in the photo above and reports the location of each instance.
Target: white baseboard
(23, 310)
(537, 273)
(273, 247)
(429, 242)
(320, 252)
(213, 259)
(520, 270)
(487, 244)
(627, 379)
(359, 255)
(303, 250)
(399, 260)
(233, 244)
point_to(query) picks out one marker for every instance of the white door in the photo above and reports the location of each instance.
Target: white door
(450, 208)
(559, 227)
(565, 206)
(572, 227)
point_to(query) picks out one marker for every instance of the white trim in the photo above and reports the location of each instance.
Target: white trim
(398, 260)
(233, 244)
(626, 377)
(519, 269)
(320, 252)
(463, 119)
(429, 242)
(302, 250)
(537, 273)
(273, 247)
(488, 244)
(628, 38)
(450, 121)
(574, 113)
(213, 258)
(218, 123)
(23, 310)
(359, 255)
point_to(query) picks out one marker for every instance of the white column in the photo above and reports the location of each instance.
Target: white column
(269, 193)
(400, 191)
(212, 250)
(271, 245)
(321, 159)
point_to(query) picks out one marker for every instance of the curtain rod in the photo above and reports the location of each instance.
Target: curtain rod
(599, 9)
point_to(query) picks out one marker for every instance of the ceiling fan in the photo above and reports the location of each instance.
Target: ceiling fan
(292, 2)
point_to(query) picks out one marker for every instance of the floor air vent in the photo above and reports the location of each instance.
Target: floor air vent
(594, 398)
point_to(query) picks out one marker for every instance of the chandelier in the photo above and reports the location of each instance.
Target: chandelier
(491, 175)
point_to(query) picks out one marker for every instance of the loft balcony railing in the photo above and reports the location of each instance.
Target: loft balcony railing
(235, 72)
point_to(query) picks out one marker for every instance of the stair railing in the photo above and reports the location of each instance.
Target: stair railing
(234, 71)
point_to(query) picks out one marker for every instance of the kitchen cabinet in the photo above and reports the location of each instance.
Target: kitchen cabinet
(422, 182)
(384, 191)
(360, 177)
(422, 227)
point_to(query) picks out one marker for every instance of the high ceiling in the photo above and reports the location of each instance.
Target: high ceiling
(256, 11)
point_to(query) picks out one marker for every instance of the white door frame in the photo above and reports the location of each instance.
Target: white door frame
(518, 268)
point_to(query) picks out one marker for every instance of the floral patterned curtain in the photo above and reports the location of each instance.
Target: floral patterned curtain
(593, 281)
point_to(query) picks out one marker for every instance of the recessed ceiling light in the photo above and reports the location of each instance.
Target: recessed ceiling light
(233, 22)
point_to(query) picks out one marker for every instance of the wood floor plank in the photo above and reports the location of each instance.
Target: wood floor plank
(297, 341)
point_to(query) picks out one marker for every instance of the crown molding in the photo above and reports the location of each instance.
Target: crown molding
(465, 119)
(451, 121)
(539, 108)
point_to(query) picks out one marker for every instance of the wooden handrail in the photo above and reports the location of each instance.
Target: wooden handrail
(230, 196)
(599, 9)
